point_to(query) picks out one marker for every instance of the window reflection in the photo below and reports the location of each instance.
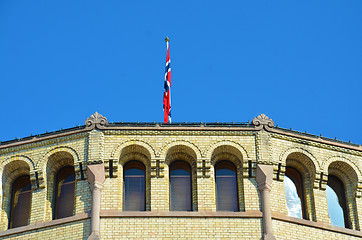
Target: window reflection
(226, 187)
(64, 191)
(134, 187)
(337, 206)
(20, 202)
(294, 204)
(180, 187)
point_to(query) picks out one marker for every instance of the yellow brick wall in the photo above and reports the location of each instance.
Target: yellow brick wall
(290, 231)
(75, 231)
(154, 145)
(181, 228)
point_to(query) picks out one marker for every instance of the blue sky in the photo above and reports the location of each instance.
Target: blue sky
(299, 62)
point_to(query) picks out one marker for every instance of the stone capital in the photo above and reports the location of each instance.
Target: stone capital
(264, 176)
(264, 187)
(96, 186)
(96, 174)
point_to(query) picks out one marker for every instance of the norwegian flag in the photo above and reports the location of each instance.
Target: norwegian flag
(167, 86)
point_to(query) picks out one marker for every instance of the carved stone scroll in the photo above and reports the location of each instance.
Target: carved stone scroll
(263, 121)
(96, 121)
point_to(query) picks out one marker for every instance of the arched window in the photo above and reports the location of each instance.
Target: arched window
(180, 186)
(226, 187)
(134, 187)
(64, 193)
(337, 204)
(20, 202)
(294, 193)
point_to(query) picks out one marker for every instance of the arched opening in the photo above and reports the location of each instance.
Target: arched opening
(226, 187)
(294, 193)
(180, 186)
(337, 202)
(64, 193)
(61, 185)
(134, 179)
(135, 165)
(298, 183)
(341, 194)
(20, 202)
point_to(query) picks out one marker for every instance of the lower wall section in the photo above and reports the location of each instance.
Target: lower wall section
(181, 228)
(73, 230)
(291, 231)
(180, 225)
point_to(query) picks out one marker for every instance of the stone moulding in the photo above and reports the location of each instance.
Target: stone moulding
(96, 121)
(263, 121)
(149, 214)
(260, 122)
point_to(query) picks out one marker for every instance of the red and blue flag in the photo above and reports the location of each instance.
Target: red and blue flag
(167, 88)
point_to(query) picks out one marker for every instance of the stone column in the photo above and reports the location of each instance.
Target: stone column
(264, 178)
(96, 178)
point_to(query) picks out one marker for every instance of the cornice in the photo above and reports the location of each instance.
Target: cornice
(181, 131)
(261, 122)
(316, 142)
(42, 141)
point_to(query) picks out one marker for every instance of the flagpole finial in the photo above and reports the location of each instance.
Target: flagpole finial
(167, 39)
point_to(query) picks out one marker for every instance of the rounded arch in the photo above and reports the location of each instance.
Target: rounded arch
(301, 168)
(227, 152)
(23, 158)
(349, 176)
(181, 152)
(300, 151)
(117, 151)
(13, 168)
(165, 149)
(135, 152)
(60, 149)
(212, 147)
(344, 165)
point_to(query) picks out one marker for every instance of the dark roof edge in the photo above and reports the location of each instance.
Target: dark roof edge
(97, 121)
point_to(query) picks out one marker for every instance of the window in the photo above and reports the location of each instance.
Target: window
(64, 193)
(20, 202)
(294, 193)
(337, 201)
(134, 187)
(226, 187)
(180, 186)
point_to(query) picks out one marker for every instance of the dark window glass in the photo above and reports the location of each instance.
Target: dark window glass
(226, 187)
(134, 187)
(337, 205)
(180, 186)
(294, 193)
(20, 202)
(64, 193)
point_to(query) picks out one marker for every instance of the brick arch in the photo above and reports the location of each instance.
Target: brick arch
(347, 172)
(45, 158)
(12, 169)
(117, 151)
(283, 157)
(327, 163)
(24, 158)
(165, 148)
(188, 152)
(212, 147)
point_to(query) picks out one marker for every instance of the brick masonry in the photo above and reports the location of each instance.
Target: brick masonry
(202, 147)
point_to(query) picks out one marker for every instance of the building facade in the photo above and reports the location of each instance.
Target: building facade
(177, 181)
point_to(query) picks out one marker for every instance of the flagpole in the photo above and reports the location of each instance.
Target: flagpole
(167, 86)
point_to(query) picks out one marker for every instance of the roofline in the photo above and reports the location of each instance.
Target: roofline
(100, 122)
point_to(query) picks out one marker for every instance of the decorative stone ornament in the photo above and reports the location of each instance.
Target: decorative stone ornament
(263, 121)
(96, 121)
